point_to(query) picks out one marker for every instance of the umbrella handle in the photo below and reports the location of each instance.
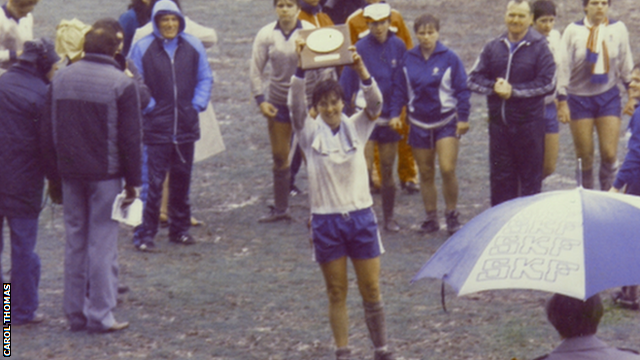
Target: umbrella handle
(444, 305)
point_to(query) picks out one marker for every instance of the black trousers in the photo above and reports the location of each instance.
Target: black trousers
(516, 153)
(177, 160)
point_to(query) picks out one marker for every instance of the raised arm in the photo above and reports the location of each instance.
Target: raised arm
(372, 94)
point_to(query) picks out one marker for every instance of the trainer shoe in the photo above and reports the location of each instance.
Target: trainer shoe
(294, 191)
(117, 326)
(453, 224)
(275, 215)
(410, 187)
(146, 245)
(429, 226)
(184, 239)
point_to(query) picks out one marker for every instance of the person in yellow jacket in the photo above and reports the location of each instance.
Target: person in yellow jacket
(407, 171)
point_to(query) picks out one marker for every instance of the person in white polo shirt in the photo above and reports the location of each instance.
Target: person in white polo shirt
(343, 224)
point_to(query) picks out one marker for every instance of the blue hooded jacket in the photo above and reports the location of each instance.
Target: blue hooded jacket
(179, 78)
(431, 89)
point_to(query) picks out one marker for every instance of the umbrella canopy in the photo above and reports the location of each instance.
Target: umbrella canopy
(572, 242)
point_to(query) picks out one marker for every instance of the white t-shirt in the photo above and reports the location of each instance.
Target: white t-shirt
(336, 165)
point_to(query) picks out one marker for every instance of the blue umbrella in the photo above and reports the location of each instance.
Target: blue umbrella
(573, 242)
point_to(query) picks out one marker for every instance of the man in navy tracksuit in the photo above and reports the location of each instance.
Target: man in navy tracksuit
(175, 68)
(515, 71)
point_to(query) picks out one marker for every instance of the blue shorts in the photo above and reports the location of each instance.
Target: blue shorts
(384, 135)
(283, 115)
(420, 138)
(353, 234)
(551, 119)
(592, 107)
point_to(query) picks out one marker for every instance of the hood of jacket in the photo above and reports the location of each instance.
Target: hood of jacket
(164, 7)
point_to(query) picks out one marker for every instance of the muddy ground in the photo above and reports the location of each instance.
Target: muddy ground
(250, 291)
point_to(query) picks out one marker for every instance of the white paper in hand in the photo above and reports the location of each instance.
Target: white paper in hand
(130, 215)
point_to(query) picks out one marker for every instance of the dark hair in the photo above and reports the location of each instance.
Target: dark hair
(142, 10)
(275, 2)
(26, 2)
(585, 2)
(543, 8)
(104, 38)
(424, 20)
(324, 88)
(572, 317)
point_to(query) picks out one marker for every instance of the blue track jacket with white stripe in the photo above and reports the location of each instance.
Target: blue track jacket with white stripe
(432, 89)
(528, 66)
(382, 61)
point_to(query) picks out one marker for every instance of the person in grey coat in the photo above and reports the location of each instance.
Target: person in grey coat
(96, 137)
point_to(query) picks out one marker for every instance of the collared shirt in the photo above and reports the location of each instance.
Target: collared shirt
(272, 46)
(616, 37)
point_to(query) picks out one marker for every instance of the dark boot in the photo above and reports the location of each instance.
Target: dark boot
(587, 179)
(607, 175)
(388, 194)
(374, 317)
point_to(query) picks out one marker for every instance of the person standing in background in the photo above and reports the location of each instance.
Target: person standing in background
(600, 59)
(515, 71)
(432, 84)
(407, 172)
(136, 16)
(381, 51)
(16, 27)
(95, 136)
(544, 17)
(23, 92)
(174, 67)
(275, 45)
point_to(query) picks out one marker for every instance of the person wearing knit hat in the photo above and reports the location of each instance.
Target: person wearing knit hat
(23, 90)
